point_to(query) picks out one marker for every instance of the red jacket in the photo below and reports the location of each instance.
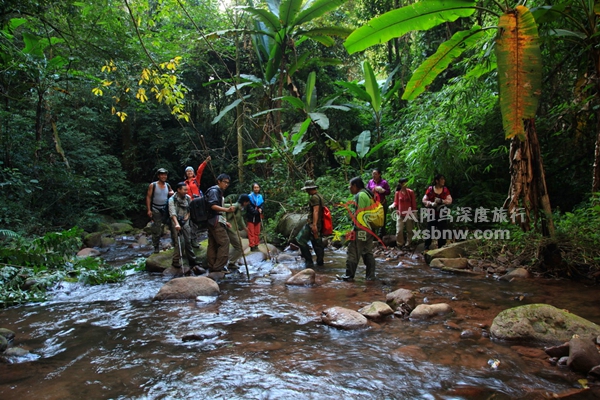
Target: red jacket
(405, 201)
(193, 184)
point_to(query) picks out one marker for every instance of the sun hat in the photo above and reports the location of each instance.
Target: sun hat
(309, 184)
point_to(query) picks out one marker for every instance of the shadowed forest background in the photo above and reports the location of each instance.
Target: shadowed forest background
(96, 95)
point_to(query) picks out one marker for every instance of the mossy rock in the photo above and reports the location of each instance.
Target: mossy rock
(121, 228)
(7, 334)
(541, 323)
(3, 344)
(159, 262)
(93, 239)
(106, 241)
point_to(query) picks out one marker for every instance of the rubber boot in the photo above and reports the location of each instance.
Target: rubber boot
(370, 264)
(308, 261)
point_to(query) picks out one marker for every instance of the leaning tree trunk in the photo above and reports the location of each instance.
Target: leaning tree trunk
(528, 196)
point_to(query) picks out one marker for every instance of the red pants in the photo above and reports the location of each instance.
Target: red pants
(253, 233)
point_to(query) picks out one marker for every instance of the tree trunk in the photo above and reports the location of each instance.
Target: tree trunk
(596, 180)
(528, 194)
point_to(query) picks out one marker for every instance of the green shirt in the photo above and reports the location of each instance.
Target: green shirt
(314, 201)
(362, 200)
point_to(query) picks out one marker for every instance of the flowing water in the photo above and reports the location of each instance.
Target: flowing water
(265, 340)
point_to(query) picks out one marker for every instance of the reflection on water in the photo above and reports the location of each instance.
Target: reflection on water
(265, 340)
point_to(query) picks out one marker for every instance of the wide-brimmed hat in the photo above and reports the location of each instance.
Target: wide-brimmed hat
(309, 184)
(162, 171)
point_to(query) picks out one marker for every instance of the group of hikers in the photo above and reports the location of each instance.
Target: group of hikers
(167, 206)
(172, 207)
(361, 238)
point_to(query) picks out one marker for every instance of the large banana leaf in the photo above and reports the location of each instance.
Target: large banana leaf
(372, 87)
(519, 69)
(269, 19)
(311, 95)
(419, 16)
(288, 9)
(434, 65)
(356, 90)
(317, 9)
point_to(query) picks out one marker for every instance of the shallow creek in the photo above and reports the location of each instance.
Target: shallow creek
(113, 341)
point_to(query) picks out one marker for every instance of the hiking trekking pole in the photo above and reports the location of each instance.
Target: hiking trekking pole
(180, 253)
(240, 240)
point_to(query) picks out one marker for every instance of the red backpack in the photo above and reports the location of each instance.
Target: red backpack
(327, 228)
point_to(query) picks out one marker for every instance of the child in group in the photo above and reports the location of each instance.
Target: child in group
(405, 204)
(254, 215)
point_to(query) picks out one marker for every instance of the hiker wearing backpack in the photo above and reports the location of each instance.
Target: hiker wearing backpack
(193, 184)
(380, 188)
(193, 181)
(156, 203)
(179, 212)
(254, 215)
(236, 221)
(435, 199)
(312, 230)
(218, 240)
(405, 207)
(360, 239)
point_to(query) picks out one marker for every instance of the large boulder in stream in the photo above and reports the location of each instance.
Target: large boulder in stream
(290, 224)
(188, 288)
(306, 277)
(453, 250)
(541, 323)
(376, 310)
(344, 318)
(426, 311)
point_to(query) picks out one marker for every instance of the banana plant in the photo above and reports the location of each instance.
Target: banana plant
(374, 95)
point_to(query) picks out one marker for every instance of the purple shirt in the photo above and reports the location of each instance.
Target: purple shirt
(383, 183)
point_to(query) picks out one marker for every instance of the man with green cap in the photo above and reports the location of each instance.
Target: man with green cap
(312, 230)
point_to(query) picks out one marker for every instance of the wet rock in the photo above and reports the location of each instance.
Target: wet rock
(256, 257)
(529, 352)
(177, 272)
(517, 273)
(201, 335)
(106, 241)
(160, 261)
(15, 352)
(143, 241)
(400, 297)
(343, 318)
(468, 334)
(473, 263)
(595, 371)
(118, 228)
(540, 323)
(287, 258)
(583, 355)
(502, 259)
(272, 250)
(424, 311)
(188, 288)
(305, 277)
(280, 270)
(454, 263)
(376, 310)
(558, 351)
(563, 360)
(7, 334)
(88, 252)
(454, 250)
(3, 344)
(93, 239)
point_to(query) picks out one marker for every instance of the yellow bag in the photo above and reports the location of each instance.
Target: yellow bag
(373, 216)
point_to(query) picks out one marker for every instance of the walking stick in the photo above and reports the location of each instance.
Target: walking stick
(240, 240)
(180, 253)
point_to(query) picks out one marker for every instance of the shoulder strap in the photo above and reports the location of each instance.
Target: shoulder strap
(153, 189)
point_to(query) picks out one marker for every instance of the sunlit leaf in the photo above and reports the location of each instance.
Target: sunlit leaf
(372, 87)
(320, 119)
(438, 62)
(519, 69)
(317, 9)
(419, 16)
(363, 143)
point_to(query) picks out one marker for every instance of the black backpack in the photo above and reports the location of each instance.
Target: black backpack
(200, 211)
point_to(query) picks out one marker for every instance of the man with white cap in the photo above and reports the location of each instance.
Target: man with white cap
(156, 203)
